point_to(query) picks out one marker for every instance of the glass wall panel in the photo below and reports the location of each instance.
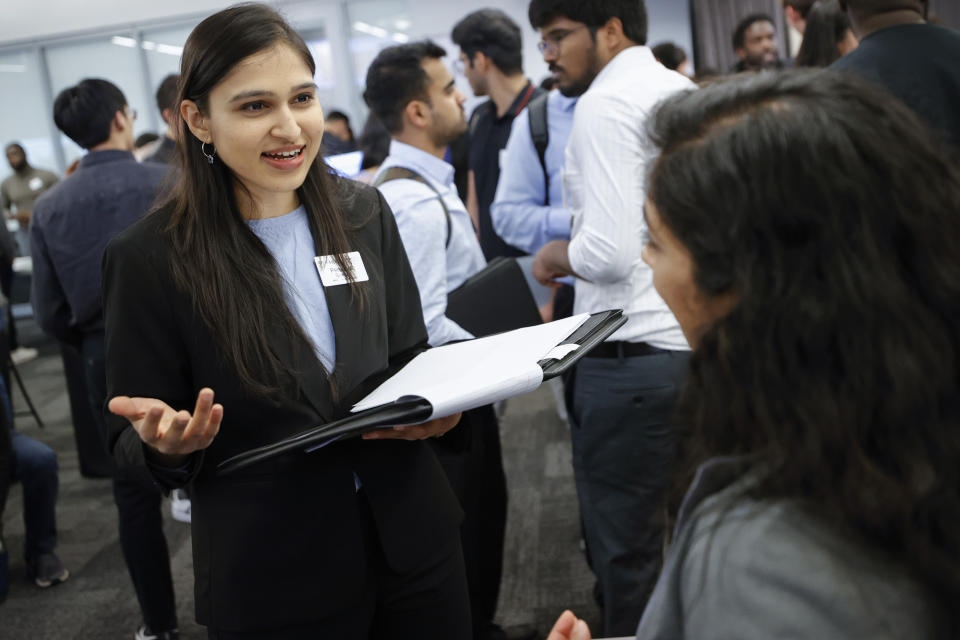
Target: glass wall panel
(322, 50)
(163, 49)
(114, 58)
(24, 116)
(376, 24)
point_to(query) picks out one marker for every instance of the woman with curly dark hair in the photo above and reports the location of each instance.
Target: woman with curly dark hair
(803, 229)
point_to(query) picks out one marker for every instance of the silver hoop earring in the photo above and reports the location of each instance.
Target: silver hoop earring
(210, 155)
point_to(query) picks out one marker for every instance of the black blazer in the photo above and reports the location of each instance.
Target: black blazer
(279, 544)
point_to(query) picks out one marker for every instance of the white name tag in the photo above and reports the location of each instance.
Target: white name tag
(331, 274)
(35, 184)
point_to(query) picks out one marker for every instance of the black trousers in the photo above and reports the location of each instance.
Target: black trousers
(471, 456)
(95, 459)
(427, 604)
(138, 505)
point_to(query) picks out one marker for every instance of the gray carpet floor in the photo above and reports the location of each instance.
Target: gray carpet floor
(544, 570)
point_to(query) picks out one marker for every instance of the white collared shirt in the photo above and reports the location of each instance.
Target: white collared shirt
(438, 267)
(608, 157)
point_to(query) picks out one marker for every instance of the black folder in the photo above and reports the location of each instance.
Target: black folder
(414, 409)
(494, 300)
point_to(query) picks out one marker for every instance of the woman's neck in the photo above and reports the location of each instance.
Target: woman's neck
(269, 205)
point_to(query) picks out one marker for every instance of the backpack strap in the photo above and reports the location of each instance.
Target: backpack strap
(402, 173)
(537, 114)
(474, 121)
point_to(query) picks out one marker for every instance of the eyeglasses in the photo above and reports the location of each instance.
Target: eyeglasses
(459, 66)
(132, 113)
(551, 44)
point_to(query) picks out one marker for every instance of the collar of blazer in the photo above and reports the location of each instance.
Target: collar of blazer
(311, 379)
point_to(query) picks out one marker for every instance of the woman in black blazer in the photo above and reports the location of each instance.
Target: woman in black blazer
(358, 539)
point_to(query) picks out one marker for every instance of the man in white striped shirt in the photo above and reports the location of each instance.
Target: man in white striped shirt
(621, 396)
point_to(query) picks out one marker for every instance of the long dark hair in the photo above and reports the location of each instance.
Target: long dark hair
(230, 276)
(827, 26)
(824, 206)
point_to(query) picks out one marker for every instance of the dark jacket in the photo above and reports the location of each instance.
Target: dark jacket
(165, 153)
(280, 544)
(72, 223)
(920, 64)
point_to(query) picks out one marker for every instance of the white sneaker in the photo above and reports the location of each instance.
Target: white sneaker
(23, 354)
(180, 505)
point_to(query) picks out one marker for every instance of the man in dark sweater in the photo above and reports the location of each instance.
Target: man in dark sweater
(491, 58)
(72, 224)
(917, 62)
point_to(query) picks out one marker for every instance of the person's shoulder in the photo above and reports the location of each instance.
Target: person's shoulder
(482, 113)
(145, 235)
(738, 545)
(148, 170)
(360, 203)
(58, 196)
(353, 192)
(401, 193)
(860, 57)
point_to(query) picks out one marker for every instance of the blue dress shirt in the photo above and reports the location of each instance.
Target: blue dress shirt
(289, 240)
(438, 267)
(518, 211)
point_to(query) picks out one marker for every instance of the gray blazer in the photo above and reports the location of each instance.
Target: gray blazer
(741, 569)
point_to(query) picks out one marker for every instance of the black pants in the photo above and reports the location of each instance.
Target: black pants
(427, 604)
(624, 442)
(138, 505)
(6, 463)
(470, 454)
(95, 459)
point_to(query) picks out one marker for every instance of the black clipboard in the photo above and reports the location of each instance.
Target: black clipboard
(414, 409)
(596, 329)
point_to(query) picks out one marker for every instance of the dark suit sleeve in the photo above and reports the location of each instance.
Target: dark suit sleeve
(50, 306)
(407, 333)
(145, 352)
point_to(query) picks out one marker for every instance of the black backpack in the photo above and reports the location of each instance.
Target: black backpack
(537, 115)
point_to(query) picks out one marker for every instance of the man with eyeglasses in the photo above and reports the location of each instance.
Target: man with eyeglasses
(621, 396)
(72, 224)
(491, 58)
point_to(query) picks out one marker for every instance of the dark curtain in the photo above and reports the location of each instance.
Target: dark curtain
(714, 22)
(946, 12)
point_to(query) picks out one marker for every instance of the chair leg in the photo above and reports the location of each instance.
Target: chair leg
(26, 396)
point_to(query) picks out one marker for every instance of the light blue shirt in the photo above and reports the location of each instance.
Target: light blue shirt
(437, 267)
(518, 211)
(289, 240)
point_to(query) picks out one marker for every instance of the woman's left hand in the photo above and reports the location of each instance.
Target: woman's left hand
(432, 429)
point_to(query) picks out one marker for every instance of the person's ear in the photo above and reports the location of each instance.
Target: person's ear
(119, 122)
(417, 113)
(481, 63)
(611, 33)
(195, 121)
